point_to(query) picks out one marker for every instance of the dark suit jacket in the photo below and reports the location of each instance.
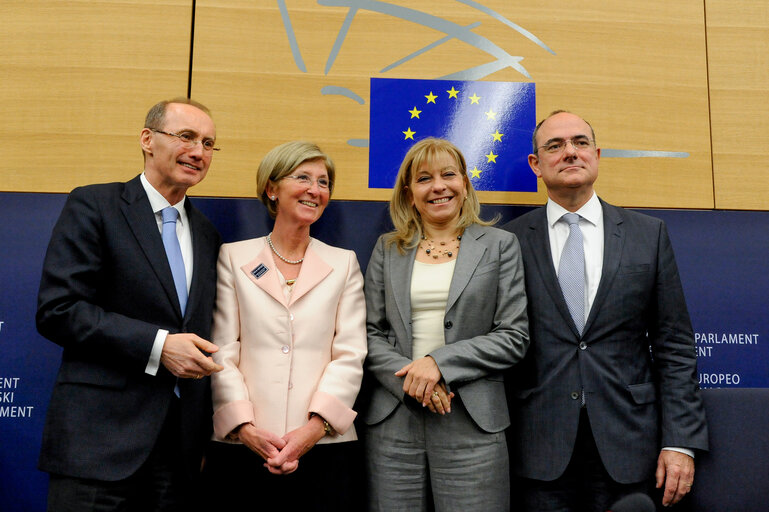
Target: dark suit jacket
(635, 359)
(105, 291)
(484, 326)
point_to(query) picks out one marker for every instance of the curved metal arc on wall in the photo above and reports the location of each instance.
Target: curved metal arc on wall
(494, 14)
(297, 54)
(635, 153)
(449, 28)
(425, 49)
(452, 31)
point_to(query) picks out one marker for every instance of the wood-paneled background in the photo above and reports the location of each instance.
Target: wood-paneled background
(687, 77)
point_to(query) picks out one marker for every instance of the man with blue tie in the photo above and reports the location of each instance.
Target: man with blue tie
(127, 291)
(606, 402)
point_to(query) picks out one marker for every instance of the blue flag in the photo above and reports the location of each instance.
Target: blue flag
(490, 122)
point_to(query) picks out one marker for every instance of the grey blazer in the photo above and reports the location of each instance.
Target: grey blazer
(485, 326)
(635, 359)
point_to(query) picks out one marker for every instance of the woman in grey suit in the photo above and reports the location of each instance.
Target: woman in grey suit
(446, 315)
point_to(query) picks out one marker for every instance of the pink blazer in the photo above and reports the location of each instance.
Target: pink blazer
(284, 360)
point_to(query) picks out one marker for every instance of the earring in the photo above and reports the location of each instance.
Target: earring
(272, 198)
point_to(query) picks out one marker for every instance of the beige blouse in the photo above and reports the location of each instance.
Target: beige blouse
(429, 293)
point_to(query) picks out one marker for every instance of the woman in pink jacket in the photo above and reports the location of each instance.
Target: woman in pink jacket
(290, 326)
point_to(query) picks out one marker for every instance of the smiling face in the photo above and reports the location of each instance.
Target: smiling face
(299, 203)
(571, 171)
(169, 166)
(437, 190)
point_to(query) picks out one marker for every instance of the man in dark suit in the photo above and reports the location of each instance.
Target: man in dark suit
(606, 402)
(130, 411)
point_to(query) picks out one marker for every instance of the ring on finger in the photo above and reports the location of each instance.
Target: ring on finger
(435, 394)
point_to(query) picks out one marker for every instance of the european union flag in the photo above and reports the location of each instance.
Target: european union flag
(490, 122)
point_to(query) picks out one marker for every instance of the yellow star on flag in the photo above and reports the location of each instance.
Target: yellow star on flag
(431, 97)
(474, 99)
(491, 115)
(491, 157)
(409, 134)
(497, 136)
(415, 113)
(452, 92)
(475, 172)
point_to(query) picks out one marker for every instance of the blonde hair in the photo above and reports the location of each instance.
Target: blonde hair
(405, 217)
(281, 161)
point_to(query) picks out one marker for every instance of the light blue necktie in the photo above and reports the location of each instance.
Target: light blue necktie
(571, 271)
(174, 254)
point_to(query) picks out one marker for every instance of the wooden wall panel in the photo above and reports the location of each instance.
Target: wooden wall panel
(637, 71)
(738, 61)
(78, 78)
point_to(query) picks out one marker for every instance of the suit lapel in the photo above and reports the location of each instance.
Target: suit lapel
(142, 222)
(541, 254)
(264, 274)
(613, 242)
(313, 271)
(470, 253)
(201, 245)
(401, 268)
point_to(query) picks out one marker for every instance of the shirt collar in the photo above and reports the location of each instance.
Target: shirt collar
(158, 202)
(590, 211)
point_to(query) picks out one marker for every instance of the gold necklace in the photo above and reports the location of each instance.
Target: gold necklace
(447, 248)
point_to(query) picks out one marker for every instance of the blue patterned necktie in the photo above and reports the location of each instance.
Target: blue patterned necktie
(571, 271)
(174, 254)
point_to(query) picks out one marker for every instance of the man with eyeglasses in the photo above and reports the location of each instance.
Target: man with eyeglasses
(127, 290)
(606, 402)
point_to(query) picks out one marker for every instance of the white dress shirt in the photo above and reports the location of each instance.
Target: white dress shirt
(591, 225)
(184, 233)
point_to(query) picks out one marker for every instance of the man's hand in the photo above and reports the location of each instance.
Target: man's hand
(421, 377)
(182, 356)
(676, 471)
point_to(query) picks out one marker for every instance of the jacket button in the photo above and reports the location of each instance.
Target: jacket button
(284, 349)
(448, 325)
(574, 395)
(582, 345)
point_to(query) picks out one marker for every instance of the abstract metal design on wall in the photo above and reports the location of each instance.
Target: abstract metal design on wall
(501, 59)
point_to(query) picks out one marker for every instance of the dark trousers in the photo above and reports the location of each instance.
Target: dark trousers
(585, 486)
(158, 485)
(329, 478)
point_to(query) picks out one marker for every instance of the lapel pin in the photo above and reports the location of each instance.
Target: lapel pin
(259, 271)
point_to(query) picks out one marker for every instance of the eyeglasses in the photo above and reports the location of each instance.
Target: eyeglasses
(578, 143)
(307, 181)
(189, 142)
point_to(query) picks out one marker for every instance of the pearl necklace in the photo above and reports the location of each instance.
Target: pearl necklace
(290, 262)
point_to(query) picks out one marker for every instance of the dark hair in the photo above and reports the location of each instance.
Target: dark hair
(534, 147)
